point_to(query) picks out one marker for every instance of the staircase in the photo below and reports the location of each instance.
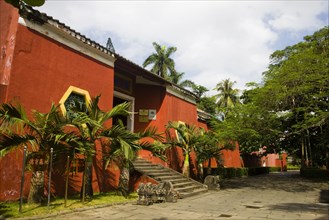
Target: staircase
(185, 186)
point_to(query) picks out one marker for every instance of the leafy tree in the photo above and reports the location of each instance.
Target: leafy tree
(208, 148)
(161, 60)
(298, 79)
(41, 133)
(208, 104)
(205, 103)
(17, 3)
(289, 110)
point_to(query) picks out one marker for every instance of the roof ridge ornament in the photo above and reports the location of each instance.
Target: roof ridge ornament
(109, 45)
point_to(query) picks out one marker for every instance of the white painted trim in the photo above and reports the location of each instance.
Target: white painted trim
(131, 117)
(181, 95)
(70, 41)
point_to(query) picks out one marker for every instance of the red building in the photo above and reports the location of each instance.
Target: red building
(43, 61)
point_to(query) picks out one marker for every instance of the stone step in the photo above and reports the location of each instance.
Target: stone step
(182, 184)
(187, 188)
(163, 173)
(151, 170)
(147, 165)
(172, 179)
(193, 193)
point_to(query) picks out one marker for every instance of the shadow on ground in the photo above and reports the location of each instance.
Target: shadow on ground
(284, 181)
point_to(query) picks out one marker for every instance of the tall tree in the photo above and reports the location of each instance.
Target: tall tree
(297, 82)
(227, 96)
(290, 109)
(161, 60)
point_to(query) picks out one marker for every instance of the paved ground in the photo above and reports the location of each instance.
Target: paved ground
(273, 196)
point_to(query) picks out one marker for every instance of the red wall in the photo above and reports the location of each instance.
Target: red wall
(8, 28)
(169, 108)
(232, 157)
(41, 72)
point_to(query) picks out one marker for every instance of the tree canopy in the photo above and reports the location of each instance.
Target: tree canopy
(289, 110)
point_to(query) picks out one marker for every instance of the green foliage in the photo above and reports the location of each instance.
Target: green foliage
(208, 148)
(42, 132)
(16, 3)
(314, 173)
(208, 104)
(289, 110)
(231, 172)
(227, 97)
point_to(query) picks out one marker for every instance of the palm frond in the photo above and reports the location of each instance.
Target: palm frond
(118, 110)
(13, 118)
(11, 142)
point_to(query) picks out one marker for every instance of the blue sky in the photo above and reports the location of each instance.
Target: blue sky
(216, 40)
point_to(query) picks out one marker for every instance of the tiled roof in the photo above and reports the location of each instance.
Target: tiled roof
(204, 116)
(42, 18)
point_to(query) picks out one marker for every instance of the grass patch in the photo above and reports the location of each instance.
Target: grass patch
(293, 167)
(10, 209)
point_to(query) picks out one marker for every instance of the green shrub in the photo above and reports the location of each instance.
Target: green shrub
(314, 173)
(275, 169)
(293, 167)
(252, 171)
(231, 172)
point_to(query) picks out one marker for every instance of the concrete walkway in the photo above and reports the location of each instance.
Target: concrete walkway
(272, 196)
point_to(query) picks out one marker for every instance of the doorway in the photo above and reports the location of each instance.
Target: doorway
(127, 121)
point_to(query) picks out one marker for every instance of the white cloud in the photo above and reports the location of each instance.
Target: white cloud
(215, 39)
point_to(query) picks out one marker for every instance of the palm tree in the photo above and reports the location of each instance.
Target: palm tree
(124, 147)
(198, 90)
(227, 97)
(208, 148)
(176, 77)
(161, 60)
(43, 132)
(90, 126)
(187, 137)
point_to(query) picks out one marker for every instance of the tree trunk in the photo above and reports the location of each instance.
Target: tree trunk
(309, 148)
(209, 167)
(306, 153)
(87, 176)
(36, 194)
(124, 181)
(186, 166)
(303, 153)
(201, 175)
